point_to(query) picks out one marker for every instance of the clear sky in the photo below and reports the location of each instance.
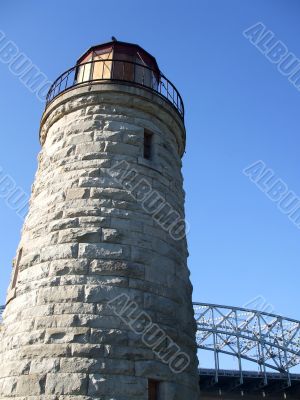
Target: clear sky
(239, 109)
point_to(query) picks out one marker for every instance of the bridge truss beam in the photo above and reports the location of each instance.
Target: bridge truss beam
(269, 340)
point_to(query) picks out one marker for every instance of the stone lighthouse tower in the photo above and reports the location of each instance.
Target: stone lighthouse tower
(99, 305)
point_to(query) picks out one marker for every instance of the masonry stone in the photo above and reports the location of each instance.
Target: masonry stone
(87, 240)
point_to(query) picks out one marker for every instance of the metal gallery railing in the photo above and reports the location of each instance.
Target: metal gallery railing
(112, 70)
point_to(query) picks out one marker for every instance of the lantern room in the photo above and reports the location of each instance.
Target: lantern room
(118, 61)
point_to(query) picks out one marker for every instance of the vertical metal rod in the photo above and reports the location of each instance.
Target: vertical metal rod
(259, 356)
(216, 354)
(112, 70)
(239, 348)
(92, 70)
(66, 85)
(83, 73)
(167, 89)
(262, 349)
(285, 353)
(59, 86)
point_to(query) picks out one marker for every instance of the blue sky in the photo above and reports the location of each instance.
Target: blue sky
(239, 109)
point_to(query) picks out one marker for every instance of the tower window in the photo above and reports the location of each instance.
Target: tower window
(148, 139)
(153, 387)
(16, 271)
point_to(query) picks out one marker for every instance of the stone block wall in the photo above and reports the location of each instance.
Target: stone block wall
(87, 240)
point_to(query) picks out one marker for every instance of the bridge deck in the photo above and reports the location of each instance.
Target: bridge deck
(253, 385)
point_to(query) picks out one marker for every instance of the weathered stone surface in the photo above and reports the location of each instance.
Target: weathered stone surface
(60, 294)
(44, 366)
(111, 235)
(88, 239)
(58, 252)
(113, 386)
(63, 383)
(77, 193)
(32, 384)
(118, 268)
(8, 387)
(103, 250)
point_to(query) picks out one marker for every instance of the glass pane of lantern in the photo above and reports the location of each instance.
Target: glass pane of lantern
(123, 65)
(146, 77)
(102, 65)
(144, 73)
(84, 73)
(123, 70)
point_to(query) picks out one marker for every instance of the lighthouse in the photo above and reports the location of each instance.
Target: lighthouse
(100, 300)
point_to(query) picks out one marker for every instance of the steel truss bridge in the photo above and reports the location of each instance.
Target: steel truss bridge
(271, 342)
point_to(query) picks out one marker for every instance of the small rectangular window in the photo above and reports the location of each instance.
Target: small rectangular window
(148, 139)
(153, 387)
(16, 271)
